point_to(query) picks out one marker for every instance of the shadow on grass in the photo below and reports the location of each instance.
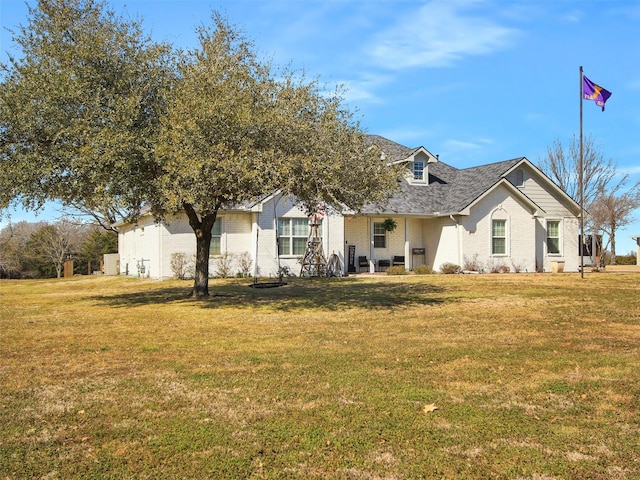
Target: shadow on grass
(328, 294)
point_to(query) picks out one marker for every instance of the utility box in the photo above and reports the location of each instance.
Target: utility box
(111, 263)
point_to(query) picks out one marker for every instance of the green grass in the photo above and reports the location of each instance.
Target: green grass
(533, 376)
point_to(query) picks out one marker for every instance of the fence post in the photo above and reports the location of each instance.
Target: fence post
(68, 269)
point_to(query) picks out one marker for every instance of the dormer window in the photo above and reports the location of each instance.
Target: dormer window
(416, 166)
(418, 171)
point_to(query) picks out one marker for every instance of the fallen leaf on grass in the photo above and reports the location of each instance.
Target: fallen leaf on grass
(430, 408)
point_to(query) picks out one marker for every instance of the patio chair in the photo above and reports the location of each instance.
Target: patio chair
(398, 261)
(363, 262)
(383, 265)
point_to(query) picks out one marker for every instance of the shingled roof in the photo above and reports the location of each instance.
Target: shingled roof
(449, 191)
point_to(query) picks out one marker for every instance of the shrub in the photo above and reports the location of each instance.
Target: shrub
(496, 266)
(397, 270)
(285, 271)
(223, 265)
(450, 268)
(518, 266)
(181, 265)
(423, 270)
(244, 264)
(472, 264)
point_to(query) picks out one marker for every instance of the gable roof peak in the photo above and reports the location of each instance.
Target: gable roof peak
(397, 153)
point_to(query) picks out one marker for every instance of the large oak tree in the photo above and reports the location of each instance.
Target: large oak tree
(80, 110)
(94, 115)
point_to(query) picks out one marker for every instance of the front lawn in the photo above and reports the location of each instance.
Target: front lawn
(507, 376)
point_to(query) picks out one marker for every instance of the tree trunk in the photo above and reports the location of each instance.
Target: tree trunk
(202, 227)
(612, 237)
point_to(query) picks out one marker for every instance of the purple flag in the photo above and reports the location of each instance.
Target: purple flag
(591, 91)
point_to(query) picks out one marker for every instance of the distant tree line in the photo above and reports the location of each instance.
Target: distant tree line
(40, 249)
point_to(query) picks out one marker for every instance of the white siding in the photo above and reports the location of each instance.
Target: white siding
(235, 240)
(537, 189)
(443, 234)
(138, 243)
(439, 241)
(157, 242)
(178, 237)
(279, 207)
(569, 253)
(415, 240)
(521, 232)
(357, 232)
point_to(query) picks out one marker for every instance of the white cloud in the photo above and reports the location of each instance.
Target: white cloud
(466, 146)
(440, 33)
(630, 170)
(467, 152)
(363, 88)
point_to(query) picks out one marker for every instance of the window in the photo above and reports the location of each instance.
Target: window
(216, 238)
(418, 170)
(553, 237)
(499, 237)
(379, 235)
(292, 235)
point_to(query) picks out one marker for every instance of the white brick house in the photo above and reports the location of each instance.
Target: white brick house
(506, 214)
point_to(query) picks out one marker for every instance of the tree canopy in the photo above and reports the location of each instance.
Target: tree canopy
(562, 165)
(97, 116)
(80, 110)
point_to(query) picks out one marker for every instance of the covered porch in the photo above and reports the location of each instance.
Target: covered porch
(375, 243)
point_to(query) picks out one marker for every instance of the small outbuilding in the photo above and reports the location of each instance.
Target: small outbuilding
(111, 264)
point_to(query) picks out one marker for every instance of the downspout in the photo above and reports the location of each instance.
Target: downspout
(458, 239)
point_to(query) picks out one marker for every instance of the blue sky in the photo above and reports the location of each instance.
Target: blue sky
(473, 81)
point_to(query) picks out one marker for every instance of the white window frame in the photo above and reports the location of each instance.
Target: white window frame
(379, 232)
(216, 237)
(504, 237)
(419, 175)
(290, 234)
(559, 237)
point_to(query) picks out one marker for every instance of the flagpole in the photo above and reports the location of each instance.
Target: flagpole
(581, 184)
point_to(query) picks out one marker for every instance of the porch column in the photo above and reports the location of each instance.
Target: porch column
(408, 258)
(372, 263)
